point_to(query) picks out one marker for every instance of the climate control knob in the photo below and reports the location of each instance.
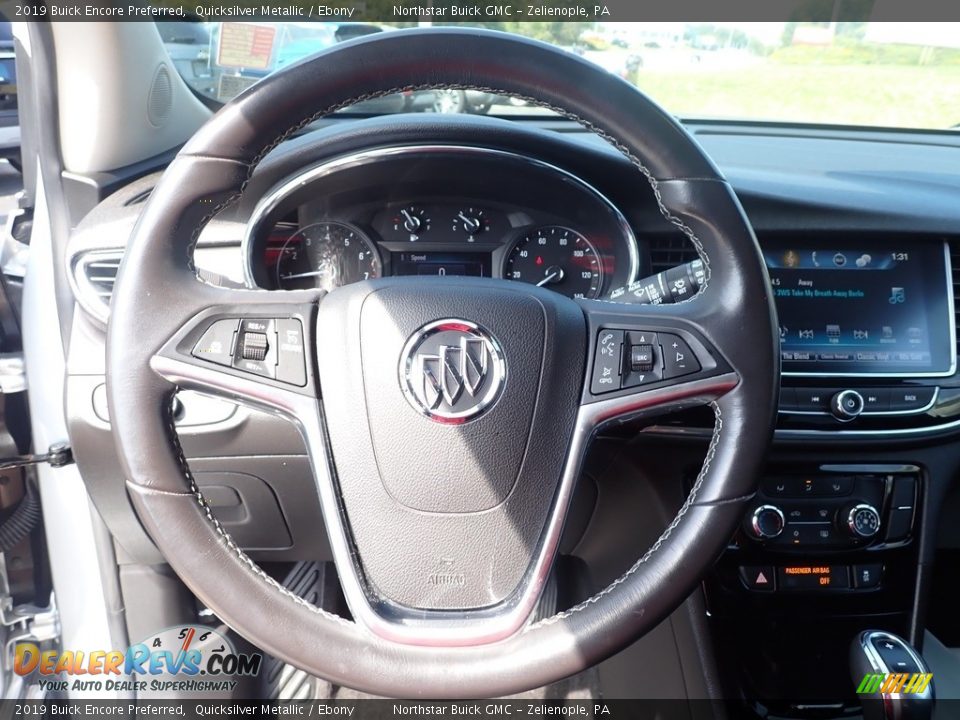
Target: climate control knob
(846, 405)
(861, 520)
(767, 522)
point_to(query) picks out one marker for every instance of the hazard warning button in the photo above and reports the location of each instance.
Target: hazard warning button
(761, 578)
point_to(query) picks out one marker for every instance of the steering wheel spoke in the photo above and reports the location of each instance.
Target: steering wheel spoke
(649, 360)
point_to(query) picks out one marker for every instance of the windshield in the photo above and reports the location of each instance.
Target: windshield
(843, 73)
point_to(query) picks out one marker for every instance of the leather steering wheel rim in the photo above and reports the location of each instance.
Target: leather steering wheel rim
(157, 293)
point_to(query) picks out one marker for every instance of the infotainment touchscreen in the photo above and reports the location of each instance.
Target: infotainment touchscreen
(873, 308)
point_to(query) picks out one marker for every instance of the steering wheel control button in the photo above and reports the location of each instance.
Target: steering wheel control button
(846, 405)
(767, 522)
(255, 346)
(290, 352)
(649, 372)
(760, 578)
(861, 521)
(678, 358)
(216, 345)
(606, 362)
(867, 577)
(641, 358)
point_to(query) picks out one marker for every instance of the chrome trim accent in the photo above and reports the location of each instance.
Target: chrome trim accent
(841, 413)
(411, 371)
(435, 627)
(870, 468)
(755, 522)
(872, 413)
(879, 666)
(852, 520)
(280, 192)
(953, 341)
(790, 433)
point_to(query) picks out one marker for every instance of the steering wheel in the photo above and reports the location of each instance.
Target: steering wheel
(445, 419)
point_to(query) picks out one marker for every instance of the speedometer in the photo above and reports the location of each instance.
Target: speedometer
(557, 258)
(326, 255)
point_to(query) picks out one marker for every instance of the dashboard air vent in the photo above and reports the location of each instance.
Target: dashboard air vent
(94, 274)
(667, 251)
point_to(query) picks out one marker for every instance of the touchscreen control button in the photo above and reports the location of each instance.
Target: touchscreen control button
(846, 405)
(813, 399)
(875, 399)
(911, 398)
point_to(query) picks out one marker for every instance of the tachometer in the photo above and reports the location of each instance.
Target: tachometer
(326, 255)
(558, 258)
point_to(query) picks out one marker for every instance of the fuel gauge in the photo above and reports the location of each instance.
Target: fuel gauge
(413, 221)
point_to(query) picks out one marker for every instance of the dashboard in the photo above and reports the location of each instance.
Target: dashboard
(442, 211)
(860, 232)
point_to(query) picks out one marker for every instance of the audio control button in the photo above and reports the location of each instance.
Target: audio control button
(907, 399)
(813, 399)
(846, 405)
(875, 400)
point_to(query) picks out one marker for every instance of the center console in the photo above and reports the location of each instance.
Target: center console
(823, 552)
(830, 547)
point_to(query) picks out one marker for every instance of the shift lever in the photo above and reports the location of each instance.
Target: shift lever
(892, 680)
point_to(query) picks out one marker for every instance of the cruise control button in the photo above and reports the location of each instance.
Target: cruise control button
(256, 325)
(678, 358)
(606, 362)
(911, 398)
(254, 347)
(257, 347)
(216, 345)
(290, 352)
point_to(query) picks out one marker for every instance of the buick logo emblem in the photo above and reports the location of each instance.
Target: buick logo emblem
(451, 370)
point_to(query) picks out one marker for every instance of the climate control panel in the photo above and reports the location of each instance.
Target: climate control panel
(832, 512)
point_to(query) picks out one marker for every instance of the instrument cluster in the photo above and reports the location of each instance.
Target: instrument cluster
(445, 213)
